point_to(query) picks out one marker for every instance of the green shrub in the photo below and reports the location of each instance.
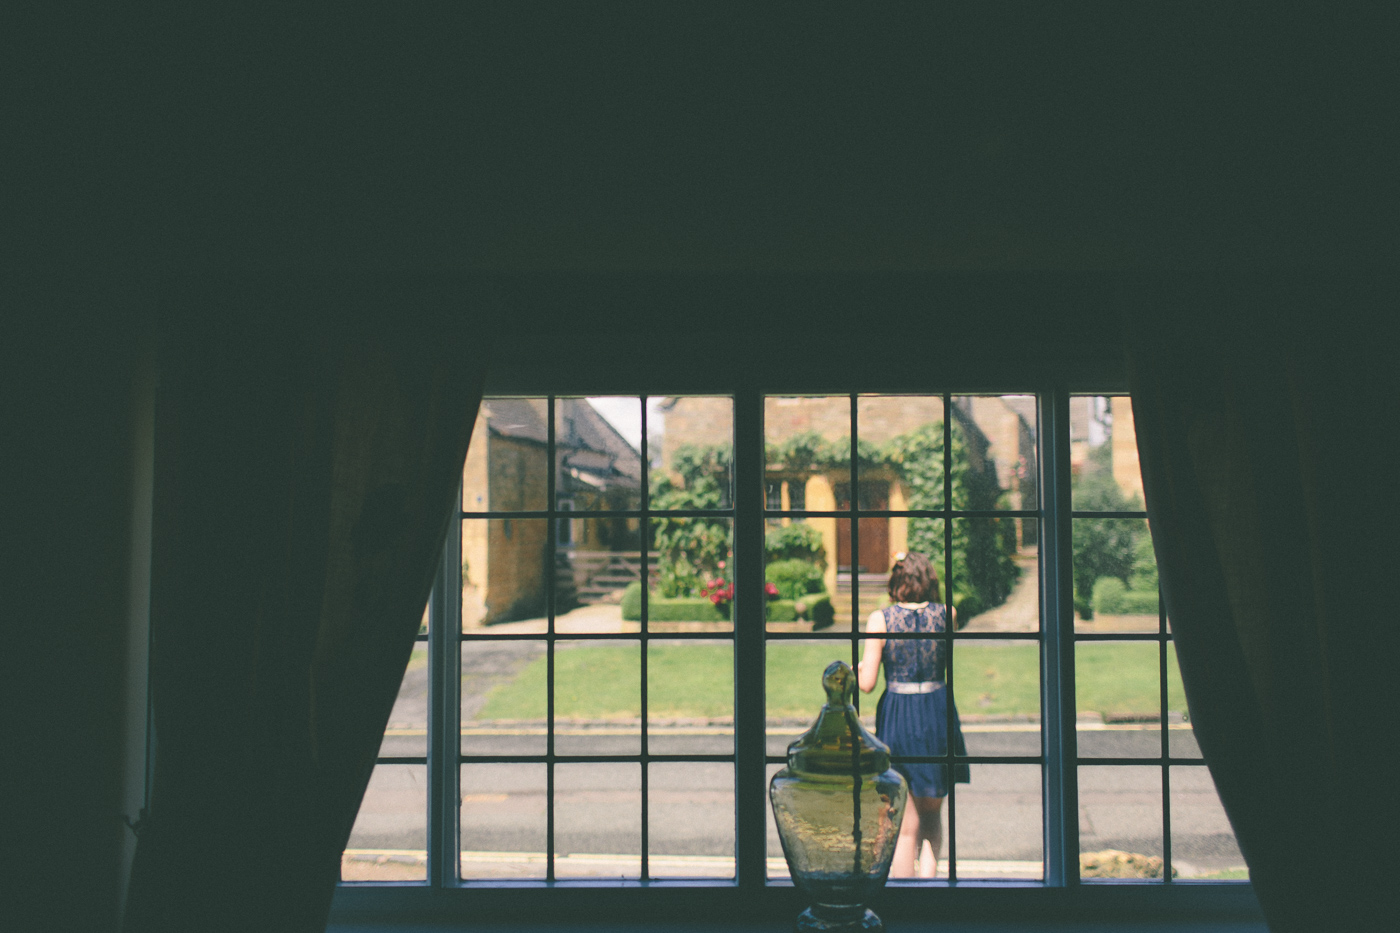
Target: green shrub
(794, 578)
(632, 601)
(814, 606)
(1144, 576)
(798, 541)
(1138, 602)
(1111, 596)
(1109, 593)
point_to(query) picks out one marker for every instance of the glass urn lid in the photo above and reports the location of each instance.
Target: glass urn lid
(838, 806)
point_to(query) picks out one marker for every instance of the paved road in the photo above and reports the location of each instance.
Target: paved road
(598, 806)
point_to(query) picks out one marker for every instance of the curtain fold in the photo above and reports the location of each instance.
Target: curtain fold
(305, 480)
(1268, 465)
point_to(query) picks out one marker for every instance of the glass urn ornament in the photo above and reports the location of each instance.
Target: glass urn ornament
(838, 805)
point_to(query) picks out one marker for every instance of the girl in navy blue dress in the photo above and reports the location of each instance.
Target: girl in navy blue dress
(912, 716)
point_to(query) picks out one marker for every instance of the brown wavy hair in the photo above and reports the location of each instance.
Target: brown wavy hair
(913, 580)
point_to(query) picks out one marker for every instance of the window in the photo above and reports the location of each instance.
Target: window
(607, 703)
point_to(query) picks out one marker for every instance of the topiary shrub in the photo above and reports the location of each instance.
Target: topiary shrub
(797, 541)
(818, 608)
(794, 578)
(1113, 597)
(632, 601)
(1109, 595)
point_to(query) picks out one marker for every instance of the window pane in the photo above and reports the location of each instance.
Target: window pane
(1118, 699)
(1203, 843)
(807, 443)
(794, 692)
(591, 588)
(692, 446)
(999, 824)
(1103, 454)
(598, 697)
(901, 463)
(1120, 823)
(503, 697)
(597, 458)
(803, 589)
(407, 733)
(1115, 576)
(995, 581)
(777, 863)
(690, 697)
(996, 685)
(389, 841)
(597, 820)
(691, 820)
(994, 453)
(507, 463)
(503, 820)
(691, 575)
(1181, 735)
(504, 574)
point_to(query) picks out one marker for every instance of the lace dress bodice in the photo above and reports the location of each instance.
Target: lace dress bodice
(915, 660)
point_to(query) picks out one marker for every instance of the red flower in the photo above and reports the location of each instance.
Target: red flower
(771, 589)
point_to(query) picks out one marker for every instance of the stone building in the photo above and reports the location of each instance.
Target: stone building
(1000, 436)
(506, 561)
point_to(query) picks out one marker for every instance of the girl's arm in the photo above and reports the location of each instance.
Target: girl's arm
(874, 649)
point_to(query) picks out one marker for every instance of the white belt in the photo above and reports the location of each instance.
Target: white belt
(907, 686)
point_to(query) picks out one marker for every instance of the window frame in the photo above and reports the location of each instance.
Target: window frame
(751, 895)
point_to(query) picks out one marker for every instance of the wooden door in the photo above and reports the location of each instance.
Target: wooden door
(874, 532)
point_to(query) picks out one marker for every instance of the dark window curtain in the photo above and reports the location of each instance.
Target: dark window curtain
(306, 475)
(1268, 461)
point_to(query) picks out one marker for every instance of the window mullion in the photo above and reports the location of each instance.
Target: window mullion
(1060, 774)
(444, 713)
(750, 771)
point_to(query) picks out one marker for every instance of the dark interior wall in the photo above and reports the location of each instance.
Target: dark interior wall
(770, 187)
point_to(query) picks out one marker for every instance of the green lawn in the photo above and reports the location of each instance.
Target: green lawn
(602, 681)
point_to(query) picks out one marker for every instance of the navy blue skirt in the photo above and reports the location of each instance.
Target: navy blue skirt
(917, 724)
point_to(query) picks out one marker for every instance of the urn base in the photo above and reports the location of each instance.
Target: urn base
(824, 918)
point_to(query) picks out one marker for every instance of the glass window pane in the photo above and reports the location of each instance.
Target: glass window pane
(598, 697)
(507, 463)
(598, 820)
(1120, 823)
(996, 686)
(503, 820)
(503, 697)
(389, 841)
(995, 580)
(803, 587)
(1118, 699)
(691, 575)
(1115, 576)
(1103, 454)
(901, 463)
(994, 457)
(999, 824)
(776, 864)
(1181, 735)
(794, 693)
(593, 590)
(505, 566)
(1203, 843)
(807, 443)
(690, 697)
(407, 733)
(692, 446)
(598, 460)
(690, 813)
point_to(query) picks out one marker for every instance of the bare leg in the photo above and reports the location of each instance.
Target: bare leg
(922, 826)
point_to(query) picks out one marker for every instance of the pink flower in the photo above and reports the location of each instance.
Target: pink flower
(771, 589)
(721, 565)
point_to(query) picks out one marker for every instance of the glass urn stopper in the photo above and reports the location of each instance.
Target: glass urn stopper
(838, 805)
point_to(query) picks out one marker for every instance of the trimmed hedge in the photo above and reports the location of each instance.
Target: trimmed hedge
(1112, 596)
(817, 607)
(794, 578)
